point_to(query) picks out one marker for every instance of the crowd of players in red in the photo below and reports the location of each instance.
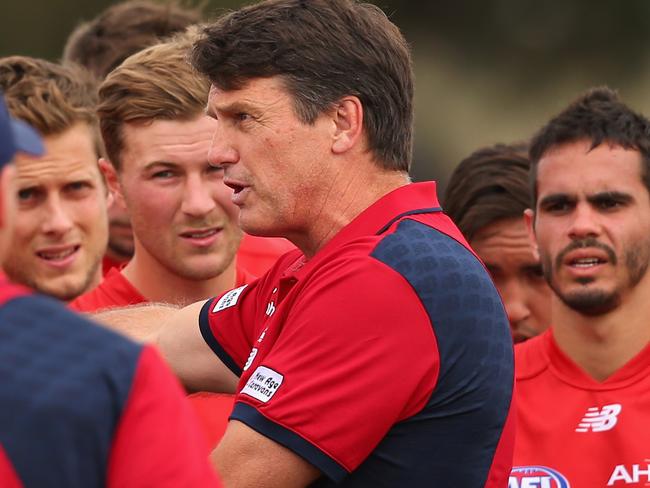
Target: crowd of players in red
(373, 345)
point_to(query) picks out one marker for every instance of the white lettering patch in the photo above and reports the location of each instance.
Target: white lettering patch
(251, 358)
(263, 384)
(229, 299)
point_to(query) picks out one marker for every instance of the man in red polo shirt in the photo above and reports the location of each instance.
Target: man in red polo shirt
(379, 353)
(81, 406)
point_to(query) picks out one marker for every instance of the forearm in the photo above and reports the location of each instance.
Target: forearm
(175, 333)
(246, 459)
(140, 322)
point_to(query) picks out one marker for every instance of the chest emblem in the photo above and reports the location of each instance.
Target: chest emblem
(600, 420)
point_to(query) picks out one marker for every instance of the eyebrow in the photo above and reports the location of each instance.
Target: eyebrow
(618, 196)
(165, 164)
(555, 198)
(231, 108)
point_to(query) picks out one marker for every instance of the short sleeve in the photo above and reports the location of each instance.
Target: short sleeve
(353, 359)
(227, 324)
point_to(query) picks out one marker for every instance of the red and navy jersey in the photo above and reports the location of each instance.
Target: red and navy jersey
(385, 360)
(574, 431)
(81, 406)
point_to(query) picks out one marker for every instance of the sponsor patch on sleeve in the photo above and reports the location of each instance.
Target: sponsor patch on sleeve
(263, 384)
(229, 299)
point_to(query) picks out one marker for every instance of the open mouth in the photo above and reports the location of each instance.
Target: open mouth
(584, 263)
(236, 188)
(58, 255)
(200, 234)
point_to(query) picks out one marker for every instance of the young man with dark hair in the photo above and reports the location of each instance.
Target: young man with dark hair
(583, 386)
(61, 231)
(81, 406)
(124, 29)
(378, 354)
(486, 197)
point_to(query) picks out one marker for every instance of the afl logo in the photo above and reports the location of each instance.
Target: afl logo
(536, 477)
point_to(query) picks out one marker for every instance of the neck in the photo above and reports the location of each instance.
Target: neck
(603, 344)
(160, 285)
(118, 258)
(349, 195)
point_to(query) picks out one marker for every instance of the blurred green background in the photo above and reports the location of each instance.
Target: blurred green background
(486, 70)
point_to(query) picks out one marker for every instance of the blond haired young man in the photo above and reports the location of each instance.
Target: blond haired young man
(101, 45)
(186, 235)
(61, 228)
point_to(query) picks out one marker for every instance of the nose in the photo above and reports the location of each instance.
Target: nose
(585, 222)
(222, 151)
(198, 198)
(514, 300)
(57, 219)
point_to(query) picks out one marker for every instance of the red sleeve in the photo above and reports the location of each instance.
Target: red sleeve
(348, 353)
(8, 477)
(228, 324)
(157, 442)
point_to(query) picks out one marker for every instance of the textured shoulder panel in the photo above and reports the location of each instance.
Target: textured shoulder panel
(463, 421)
(63, 385)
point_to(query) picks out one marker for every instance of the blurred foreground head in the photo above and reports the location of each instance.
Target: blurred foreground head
(15, 137)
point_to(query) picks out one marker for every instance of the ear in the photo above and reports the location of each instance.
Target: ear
(529, 219)
(112, 181)
(348, 121)
(8, 203)
(7, 195)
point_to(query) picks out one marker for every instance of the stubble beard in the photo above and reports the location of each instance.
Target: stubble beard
(592, 301)
(226, 256)
(65, 293)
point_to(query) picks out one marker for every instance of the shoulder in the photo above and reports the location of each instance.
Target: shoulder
(427, 249)
(68, 385)
(54, 341)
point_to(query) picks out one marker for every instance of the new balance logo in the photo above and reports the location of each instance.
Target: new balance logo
(596, 420)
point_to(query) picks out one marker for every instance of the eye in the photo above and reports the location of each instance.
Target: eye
(77, 185)
(243, 116)
(557, 206)
(30, 197)
(163, 175)
(608, 204)
(26, 194)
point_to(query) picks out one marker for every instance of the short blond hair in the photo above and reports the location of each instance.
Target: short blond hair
(157, 83)
(50, 97)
